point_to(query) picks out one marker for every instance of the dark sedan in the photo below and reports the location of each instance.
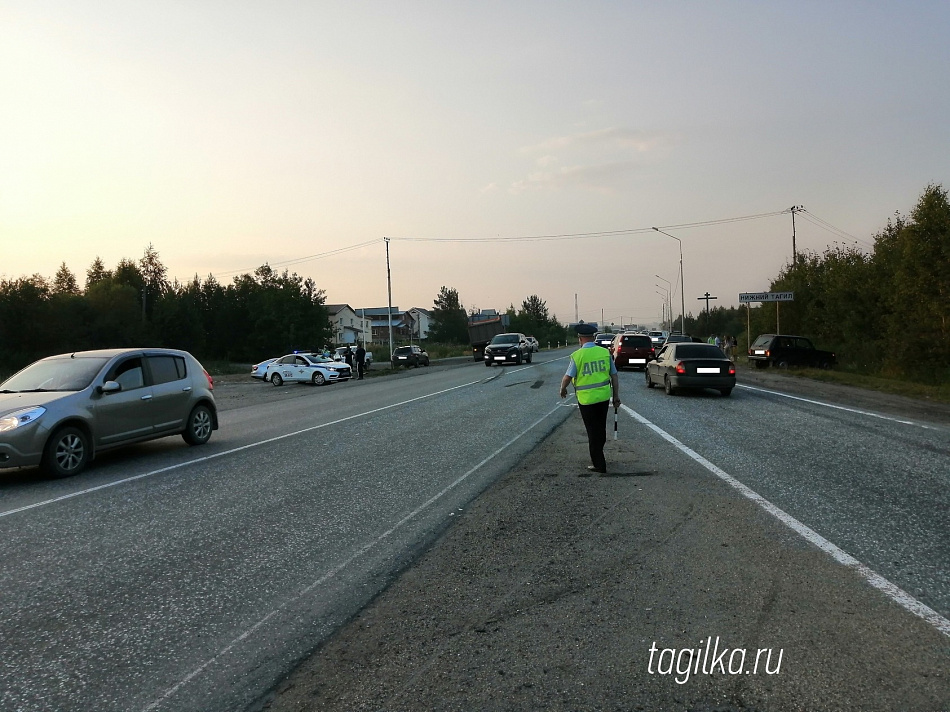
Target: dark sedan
(687, 365)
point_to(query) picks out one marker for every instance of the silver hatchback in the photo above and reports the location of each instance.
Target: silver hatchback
(60, 411)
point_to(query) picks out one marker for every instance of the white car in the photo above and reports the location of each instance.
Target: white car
(338, 355)
(259, 370)
(306, 368)
(535, 346)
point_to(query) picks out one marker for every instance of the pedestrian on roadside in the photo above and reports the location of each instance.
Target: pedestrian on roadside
(718, 342)
(733, 347)
(594, 375)
(360, 361)
(348, 356)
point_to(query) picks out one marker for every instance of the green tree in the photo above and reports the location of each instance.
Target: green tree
(65, 281)
(97, 272)
(450, 322)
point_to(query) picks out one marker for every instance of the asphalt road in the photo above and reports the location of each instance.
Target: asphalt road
(169, 577)
(199, 578)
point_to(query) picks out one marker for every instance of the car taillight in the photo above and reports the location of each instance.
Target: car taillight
(680, 367)
(732, 369)
(210, 380)
(767, 353)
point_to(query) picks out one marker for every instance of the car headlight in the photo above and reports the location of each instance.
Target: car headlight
(20, 418)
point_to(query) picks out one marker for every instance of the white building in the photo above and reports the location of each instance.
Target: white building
(348, 326)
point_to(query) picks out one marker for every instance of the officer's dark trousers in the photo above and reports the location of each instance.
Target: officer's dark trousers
(595, 421)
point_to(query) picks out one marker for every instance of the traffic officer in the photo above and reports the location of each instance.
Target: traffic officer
(594, 374)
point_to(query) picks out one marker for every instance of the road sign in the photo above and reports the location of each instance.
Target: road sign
(746, 297)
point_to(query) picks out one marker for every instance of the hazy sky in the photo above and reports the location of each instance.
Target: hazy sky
(229, 134)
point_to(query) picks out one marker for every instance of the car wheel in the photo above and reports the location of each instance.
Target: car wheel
(726, 392)
(66, 453)
(318, 379)
(668, 386)
(517, 359)
(277, 379)
(650, 383)
(199, 426)
(783, 364)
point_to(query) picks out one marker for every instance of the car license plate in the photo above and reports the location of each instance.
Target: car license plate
(707, 370)
(499, 358)
(638, 360)
(403, 358)
(759, 352)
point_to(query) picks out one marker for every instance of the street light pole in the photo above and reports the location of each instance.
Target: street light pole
(682, 290)
(389, 289)
(669, 291)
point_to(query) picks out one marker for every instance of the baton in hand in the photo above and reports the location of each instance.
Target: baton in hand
(615, 422)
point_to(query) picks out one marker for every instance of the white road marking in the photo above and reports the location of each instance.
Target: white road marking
(216, 455)
(337, 569)
(901, 597)
(839, 407)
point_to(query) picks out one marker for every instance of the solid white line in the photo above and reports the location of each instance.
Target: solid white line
(339, 567)
(839, 407)
(216, 455)
(892, 591)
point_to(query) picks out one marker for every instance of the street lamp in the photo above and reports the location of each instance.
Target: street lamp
(682, 293)
(665, 296)
(669, 291)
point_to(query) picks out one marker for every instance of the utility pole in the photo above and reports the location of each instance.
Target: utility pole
(794, 209)
(707, 298)
(389, 289)
(576, 320)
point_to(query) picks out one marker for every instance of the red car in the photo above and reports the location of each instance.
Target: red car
(632, 351)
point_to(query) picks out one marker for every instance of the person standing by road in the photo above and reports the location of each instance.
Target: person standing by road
(360, 361)
(594, 375)
(348, 356)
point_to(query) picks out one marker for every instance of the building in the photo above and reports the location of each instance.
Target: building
(348, 326)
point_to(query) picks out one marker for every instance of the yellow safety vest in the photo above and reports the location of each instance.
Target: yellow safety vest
(592, 382)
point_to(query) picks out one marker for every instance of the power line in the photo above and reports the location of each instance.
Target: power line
(297, 260)
(825, 225)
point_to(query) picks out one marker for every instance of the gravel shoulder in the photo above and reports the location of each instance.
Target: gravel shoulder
(549, 591)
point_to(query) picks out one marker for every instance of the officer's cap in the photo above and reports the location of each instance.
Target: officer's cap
(586, 329)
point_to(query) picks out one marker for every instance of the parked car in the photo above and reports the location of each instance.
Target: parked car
(658, 338)
(259, 370)
(512, 347)
(407, 356)
(338, 355)
(690, 365)
(61, 411)
(632, 351)
(535, 346)
(307, 368)
(783, 351)
(604, 339)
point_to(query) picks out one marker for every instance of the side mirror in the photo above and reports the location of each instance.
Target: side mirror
(108, 387)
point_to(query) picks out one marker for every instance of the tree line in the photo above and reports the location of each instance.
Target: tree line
(533, 319)
(264, 313)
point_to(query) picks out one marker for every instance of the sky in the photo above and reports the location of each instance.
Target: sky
(506, 149)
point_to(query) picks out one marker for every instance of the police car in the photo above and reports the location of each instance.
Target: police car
(306, 368)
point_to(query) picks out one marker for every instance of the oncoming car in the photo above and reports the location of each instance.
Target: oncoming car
(513, 347)
(306, 368)
(61, 411)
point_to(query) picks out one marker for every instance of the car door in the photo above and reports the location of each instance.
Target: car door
(126, 414)
(171, 391)
(285, 367)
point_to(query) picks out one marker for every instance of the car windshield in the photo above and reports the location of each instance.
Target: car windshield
(58, 374)
(403, 350)
(636, 341)
(699, 351)
(505, 339)
(656, 333)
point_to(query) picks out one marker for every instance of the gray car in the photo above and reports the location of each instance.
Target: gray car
(60, 411)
